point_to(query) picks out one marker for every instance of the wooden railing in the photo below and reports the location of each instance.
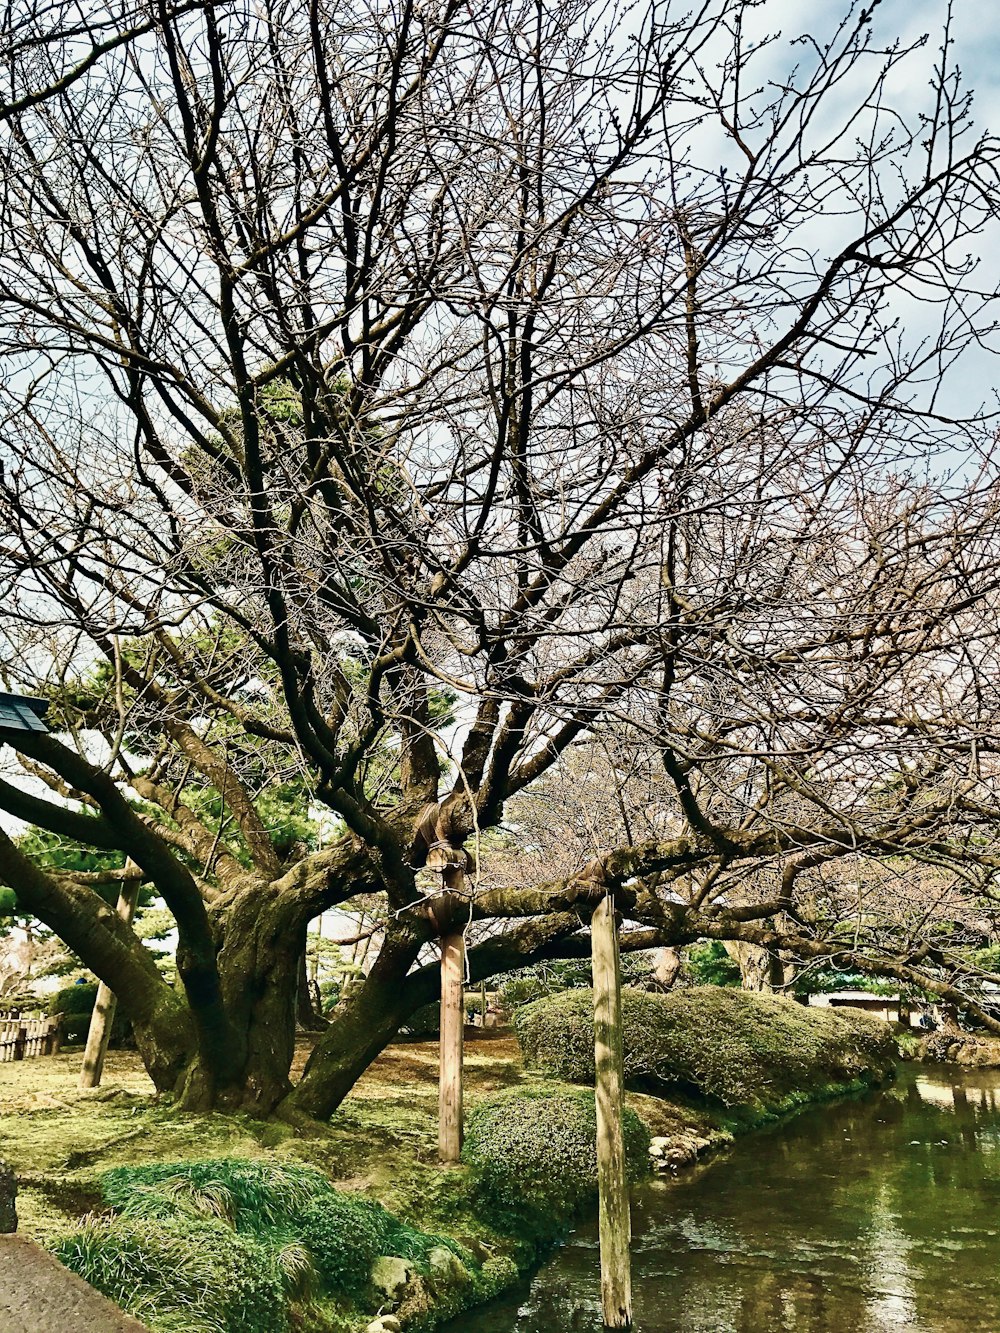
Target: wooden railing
(23, 1036)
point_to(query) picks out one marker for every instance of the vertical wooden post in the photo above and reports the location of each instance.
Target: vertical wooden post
(452, 1034)
(20, 1042)
(612, 1182)
(101, 1020)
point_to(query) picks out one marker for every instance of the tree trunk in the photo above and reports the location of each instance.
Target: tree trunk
(612, 1182)
(260, 966)
(666, 968)
(451, 1042)
(166, 1046)
(756, 964)
(306, 1016)
(360, 1027)
(103, 1017)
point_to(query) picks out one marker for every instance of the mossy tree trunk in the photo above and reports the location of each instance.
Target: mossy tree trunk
(360, 1027)
(760, 968)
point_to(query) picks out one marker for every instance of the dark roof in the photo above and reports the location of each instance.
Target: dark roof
(20, 713)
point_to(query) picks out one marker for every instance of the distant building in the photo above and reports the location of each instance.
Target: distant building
(889, 1007)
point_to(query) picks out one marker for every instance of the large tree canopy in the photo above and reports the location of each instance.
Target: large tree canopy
(427, 410)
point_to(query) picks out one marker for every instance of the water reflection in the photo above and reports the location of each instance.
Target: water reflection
(861, 1217)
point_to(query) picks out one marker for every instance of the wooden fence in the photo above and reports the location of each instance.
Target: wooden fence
(23, 1036)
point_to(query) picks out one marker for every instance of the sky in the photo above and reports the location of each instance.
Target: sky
(974, 48)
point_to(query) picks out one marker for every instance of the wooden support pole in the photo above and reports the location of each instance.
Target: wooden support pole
(452, 1034)
(103, 1017)
(612, 1182)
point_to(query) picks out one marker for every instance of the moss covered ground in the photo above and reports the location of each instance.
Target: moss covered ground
(383, 1141)
(380, 1148)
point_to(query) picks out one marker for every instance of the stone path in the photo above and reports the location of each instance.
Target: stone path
(39, 1295)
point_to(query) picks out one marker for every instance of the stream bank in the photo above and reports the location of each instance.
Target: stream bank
(875, 1214)
(459, 1245)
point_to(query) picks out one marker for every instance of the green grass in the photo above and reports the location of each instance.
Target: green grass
(371, 1181)
(180, 1273)
(240, 1246)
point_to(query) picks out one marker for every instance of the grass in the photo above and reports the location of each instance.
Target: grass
(381, 1149)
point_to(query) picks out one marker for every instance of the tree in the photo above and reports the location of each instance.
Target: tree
(584, 369)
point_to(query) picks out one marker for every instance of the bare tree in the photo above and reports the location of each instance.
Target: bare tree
(399, 396)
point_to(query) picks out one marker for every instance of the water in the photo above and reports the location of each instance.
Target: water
(865, 1216)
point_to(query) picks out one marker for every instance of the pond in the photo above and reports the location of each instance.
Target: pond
(861, 1216)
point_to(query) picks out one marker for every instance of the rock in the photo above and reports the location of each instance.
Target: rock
(391, 1324)
(8, 1195)
(479, 1251)
(376, 1326)
(446, 1268)
(672, 1153)
(390, 1276)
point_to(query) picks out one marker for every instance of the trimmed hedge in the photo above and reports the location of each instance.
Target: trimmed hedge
(76, 1004)
(533, 1158)
(737, 1048)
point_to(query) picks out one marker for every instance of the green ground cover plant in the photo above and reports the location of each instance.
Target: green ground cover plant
(741, 1049)
(180, 1274)
(244, 1246)
(533, 1161)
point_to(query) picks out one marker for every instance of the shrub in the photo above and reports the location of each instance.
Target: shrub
(76, 1004)
(424, 1023)
(179, 1273)
(526, 984)
(343, 1235)
(738, 1048)
(533, 1157)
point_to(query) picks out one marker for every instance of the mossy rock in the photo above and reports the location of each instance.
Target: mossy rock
(740, 1049)
(533, 1158)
